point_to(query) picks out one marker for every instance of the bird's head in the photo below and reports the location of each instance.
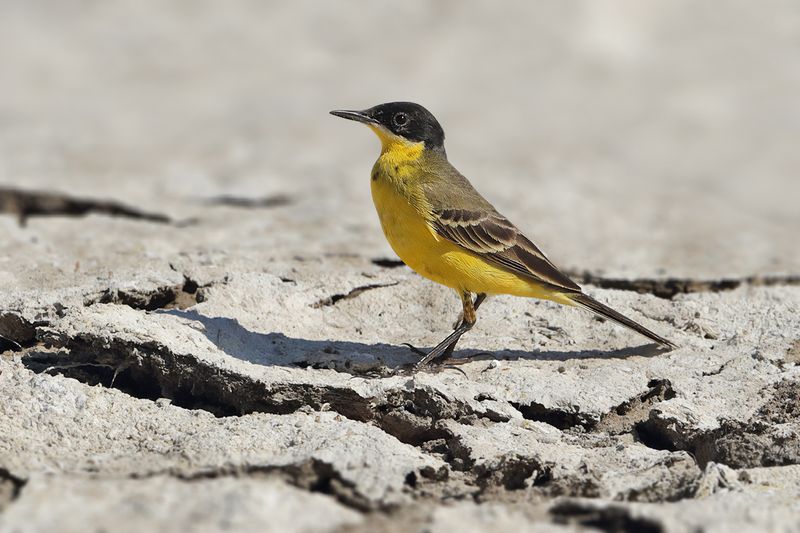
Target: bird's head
(400, 122)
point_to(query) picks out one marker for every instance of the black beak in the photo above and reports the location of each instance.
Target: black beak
(358, 116)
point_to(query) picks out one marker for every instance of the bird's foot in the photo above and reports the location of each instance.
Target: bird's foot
(449, 366)
(434, 368)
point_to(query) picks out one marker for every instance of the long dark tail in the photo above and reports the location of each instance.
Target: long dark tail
(587, 302)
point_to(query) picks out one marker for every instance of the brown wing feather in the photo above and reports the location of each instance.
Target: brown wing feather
(492, 236)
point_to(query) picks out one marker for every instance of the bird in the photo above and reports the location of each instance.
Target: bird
(442, 228)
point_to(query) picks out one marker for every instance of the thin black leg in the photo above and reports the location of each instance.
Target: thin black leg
(449, 351)
(446, 347)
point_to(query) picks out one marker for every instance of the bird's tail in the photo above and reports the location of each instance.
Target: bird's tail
(587, 302)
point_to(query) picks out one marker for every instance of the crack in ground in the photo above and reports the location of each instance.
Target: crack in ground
(312, 475)
(8, 344)
(518, 477)
(621, 419)
(150, 371)
(386, 262)
(559, 418)
(352, 293)
(26, 204)
(16, 332)
(764, 440)
(412, 416)
(720, 369)
(187, 294)
(608, 518)
(668, 288)
(625, 417)
(10, 487)
(242, 202)
(511, 472)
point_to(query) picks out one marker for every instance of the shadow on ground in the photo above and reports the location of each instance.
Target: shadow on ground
(277, 349)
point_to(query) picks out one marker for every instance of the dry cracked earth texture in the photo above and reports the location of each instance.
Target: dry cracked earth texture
(202, 325)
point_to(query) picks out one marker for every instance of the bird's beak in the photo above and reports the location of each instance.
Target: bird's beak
(358, 116)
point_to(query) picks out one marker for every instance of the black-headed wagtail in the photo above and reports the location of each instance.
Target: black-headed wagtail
(442, 228)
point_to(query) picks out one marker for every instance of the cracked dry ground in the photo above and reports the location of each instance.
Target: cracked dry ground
(156, 373)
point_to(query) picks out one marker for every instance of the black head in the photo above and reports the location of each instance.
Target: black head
(405, 119)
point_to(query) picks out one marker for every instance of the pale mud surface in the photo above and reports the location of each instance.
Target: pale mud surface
(205, 324)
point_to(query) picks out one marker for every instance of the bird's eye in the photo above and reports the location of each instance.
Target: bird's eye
(400, 119)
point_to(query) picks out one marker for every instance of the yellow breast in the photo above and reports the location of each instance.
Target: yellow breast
(408, 232)
(404, 213)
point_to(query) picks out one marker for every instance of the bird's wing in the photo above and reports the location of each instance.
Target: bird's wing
(490, 235)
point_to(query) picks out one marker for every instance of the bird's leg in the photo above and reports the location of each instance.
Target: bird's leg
(478, 301)
(479, 298)
(449, 343)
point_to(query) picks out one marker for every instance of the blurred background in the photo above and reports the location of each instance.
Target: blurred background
(654, 138)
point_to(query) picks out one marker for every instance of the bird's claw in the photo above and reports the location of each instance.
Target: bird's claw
(434, 367)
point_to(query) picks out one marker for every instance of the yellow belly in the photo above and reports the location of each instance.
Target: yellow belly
(438, 259)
